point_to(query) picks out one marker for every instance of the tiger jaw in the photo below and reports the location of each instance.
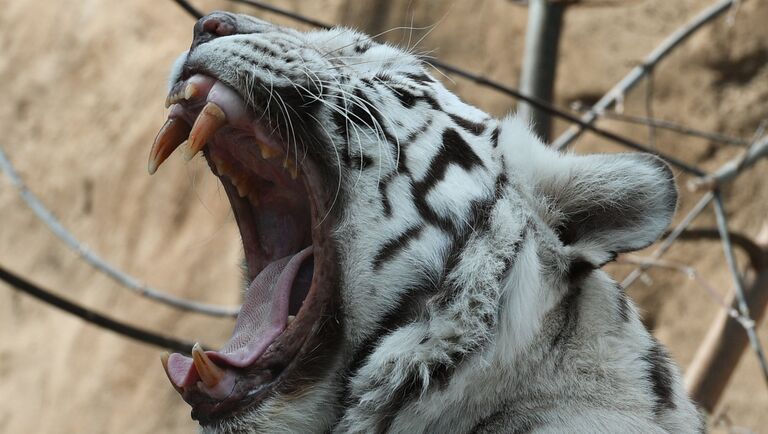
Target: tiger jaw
(280, 205)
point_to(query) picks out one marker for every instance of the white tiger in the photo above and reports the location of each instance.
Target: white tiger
(414, 264)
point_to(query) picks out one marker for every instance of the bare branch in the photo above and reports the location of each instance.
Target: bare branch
(141, 335)
(731, 169)
(741, 297)
(667, 243)
(666, 125)
(634, 76)
(92, 258)
(692, 274)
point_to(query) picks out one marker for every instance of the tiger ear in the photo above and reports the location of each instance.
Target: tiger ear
(600, 204)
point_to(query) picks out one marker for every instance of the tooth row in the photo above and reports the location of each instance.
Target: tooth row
(240, 180)
(175, 132)
(290, 166)
(211, 119)
(186, 93)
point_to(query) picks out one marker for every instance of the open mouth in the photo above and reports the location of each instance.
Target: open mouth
(279, 200)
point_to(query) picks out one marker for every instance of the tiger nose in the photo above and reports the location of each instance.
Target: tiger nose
(212, 26)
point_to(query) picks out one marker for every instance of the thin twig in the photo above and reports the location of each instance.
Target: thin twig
(284, 12)
(135, 333)
(189, 8)
(649, 109)
(731, 169)
(692, 274)
(667, 125)
(722, 226)
(667, 243)
(634, 76)
(92, 258)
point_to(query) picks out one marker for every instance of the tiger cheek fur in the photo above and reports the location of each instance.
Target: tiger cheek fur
(466, 292)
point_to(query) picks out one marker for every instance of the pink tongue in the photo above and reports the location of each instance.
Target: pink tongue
(260, 321)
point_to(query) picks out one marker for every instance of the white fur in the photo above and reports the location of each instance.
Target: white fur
(493, 344)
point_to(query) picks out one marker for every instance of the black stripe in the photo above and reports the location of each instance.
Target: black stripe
(420, 78)
(622, 303)
(478, 223)
(418, 132)
(253, 46)
(383, 184)
(407, 99)
(408, 309)
(433, 104)
(660, 376)
(341, 124)
(362, 110)
(569, 308)
(362, 47)
(374, 119)
(426, 212)
(399, 150)
(393, 246)
(454, 150)
(578, 269)
(397, 400)
(499, 422)
(495, 137)
(472, 127)
(439, 374)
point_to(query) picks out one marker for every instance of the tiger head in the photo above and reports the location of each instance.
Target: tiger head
(393, 235)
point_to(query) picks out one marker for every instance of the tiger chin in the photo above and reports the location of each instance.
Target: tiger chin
(414, 265)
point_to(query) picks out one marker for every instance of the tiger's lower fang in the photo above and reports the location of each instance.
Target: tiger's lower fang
(164, 361)
(208, 371)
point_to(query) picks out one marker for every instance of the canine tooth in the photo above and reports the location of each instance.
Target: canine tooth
(289, 165)
(224, 168)
(217, 162)
(171, 135)
(242, 188)
(210, 120)
(267, 151)
(164, 360)
(170, 100)
(190, 91)
(291, 318)
(208, 371)
(235, 177)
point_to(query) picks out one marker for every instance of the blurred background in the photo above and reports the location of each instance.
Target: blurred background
(84, 85)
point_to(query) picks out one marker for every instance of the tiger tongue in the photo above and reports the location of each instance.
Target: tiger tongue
(265, 312)
(262, 318)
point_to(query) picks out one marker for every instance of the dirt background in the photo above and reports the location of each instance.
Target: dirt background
(84, 84)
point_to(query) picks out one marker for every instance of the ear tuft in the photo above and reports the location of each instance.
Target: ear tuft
(613, 203)
(600, 204)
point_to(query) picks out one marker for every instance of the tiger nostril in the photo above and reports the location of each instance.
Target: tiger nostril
(217, 27)
(213, 26)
